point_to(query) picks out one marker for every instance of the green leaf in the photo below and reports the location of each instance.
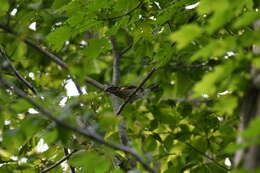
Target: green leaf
(98, 4)
(246, 19)
(165, 16)
(226, 104)
(59, 36)
(95, 47)
(215, 48)
(253, 129)
(4, 7)
(176, 167)
(186, 34)
(208, 84)
(50, 136)
(183, 84)
(64, 135)
(21, 106)
(150, 144)
(168, 142)
(207, 6)
(13, 139)
(31, 125)
(117, 171)
(164, 54)
(108, 121)
(231, 148)
(76, 19)
(219, 19)
(21, 50)
(91, 161)
(58, 3)
(71, 7)
(184, 109)
(256, 62)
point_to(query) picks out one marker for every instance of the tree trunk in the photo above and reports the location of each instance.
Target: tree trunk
(250, 108)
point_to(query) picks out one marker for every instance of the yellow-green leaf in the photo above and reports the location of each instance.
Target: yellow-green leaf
(4, 7)
(185, 35)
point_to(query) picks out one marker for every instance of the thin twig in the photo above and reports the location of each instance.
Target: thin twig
(66, 153)
(135, 91)
(126, 49)
(125, 14)
(170, 25)
(13, 70)
(206, 156)
(195, 100)
(85, 132)
(7, 29)
(59, 162)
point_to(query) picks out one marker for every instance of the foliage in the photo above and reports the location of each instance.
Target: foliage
(202, 57)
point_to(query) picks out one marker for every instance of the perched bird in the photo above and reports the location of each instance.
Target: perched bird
(125, 91)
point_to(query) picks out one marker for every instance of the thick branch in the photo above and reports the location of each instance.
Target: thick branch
(95, 83)
(135, 91)
(195, 100)
(249, 110)
(85, 132)
(115, 81)
(58, 163)
(116, 71)
(116, 61)
(50, 55)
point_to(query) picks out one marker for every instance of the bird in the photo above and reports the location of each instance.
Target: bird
(124, 92)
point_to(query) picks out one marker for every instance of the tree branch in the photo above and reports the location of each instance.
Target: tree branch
(59, 162)
(126, 49)
(45, 52)
(135, 91)
(195, 100)
(53, 57)
(13, 70)
(95, 84)
(66, 153)
(50, 55)
(116, 71)
(115, 100)
(85, 132)
(116, 61)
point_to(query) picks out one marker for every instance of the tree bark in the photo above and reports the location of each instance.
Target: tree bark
(250, 109)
